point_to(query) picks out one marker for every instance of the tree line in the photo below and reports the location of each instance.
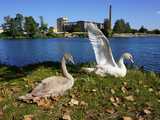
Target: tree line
(26, 27)
(121, 26)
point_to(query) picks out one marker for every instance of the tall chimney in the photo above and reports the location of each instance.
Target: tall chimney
(110, 17)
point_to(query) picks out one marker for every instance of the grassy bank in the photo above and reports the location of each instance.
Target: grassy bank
(136, 96)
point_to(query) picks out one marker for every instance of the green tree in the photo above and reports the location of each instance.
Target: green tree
(13, 30)
(76, 28)
(133, 31)
(30, 26)
(19, 24)
(8, 21)
(127, 28)
(143, 30)
(9, 27)
(13, 26)
(120, 26)
(43, 26)
(51, 33)
(156, 31)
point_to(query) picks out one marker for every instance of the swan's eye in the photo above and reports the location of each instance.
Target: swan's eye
(131, 57)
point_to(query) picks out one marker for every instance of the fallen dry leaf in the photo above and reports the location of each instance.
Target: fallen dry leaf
(28, 117)
(73, 102)
(150, 89)
(125, 84)
(1, 98)
(44, 103)
(127, 118)
(129, 98)
(72, 96)
(140, 82)
(82, 103)
(15, 89)
(113, 91)
(94, 90)
(110, 111)
(115, 104)
(1, 113)
(55, 98)
(141, 118)
(123, 89)
(145, 86)
(112, 99)
(137, 90)
(117, 100)
(66, 117)
(147, 111)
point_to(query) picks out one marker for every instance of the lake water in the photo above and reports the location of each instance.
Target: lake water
(146, 50)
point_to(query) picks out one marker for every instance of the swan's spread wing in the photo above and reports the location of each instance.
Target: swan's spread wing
(101, 47)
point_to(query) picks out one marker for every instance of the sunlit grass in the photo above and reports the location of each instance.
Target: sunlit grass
(95, 91)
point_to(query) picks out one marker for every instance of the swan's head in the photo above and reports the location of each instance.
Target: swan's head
(128, 56)
(91, 27)
(68, 57)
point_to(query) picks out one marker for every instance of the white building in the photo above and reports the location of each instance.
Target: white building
(61, 24)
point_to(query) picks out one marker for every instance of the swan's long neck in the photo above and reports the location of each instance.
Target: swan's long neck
(121, 63)
(64, 69)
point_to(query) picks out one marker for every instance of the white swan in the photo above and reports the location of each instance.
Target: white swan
(52, 86)
(103, 53)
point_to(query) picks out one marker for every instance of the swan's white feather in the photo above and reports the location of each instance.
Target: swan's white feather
(101, 46)
(103, 53)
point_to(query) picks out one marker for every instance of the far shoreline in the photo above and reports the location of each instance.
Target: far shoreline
(135, 35)
(69, 36)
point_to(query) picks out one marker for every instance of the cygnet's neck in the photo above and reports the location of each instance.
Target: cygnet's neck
(64, 69)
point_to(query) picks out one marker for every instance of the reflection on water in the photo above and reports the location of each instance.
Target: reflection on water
(146, 50)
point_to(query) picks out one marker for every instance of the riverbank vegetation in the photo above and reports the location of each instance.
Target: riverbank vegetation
(123, 27)
(136, 96)
(20, 27)
(26, 27)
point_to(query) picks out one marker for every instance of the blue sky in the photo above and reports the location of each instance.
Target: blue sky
(137, 12)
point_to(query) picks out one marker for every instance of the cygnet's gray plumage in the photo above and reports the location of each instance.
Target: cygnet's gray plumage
(53, 86)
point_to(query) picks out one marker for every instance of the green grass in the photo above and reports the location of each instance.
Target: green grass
(143, 86)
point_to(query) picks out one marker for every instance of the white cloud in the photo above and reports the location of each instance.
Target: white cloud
(158, 12)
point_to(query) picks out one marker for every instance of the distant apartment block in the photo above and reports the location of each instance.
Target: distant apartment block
(63, 25)
(61, 22)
